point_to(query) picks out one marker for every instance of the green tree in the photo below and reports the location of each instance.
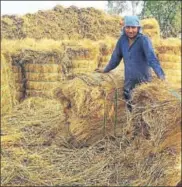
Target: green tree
(167, 13)
(119, 7)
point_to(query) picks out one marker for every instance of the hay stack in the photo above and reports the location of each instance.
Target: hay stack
(146, 154)
(169, 55)
(89, 105)
(9, 96)
(150, 27)
(156, 119)
(62, 23)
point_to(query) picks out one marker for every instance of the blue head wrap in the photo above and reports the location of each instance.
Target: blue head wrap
(132, 21)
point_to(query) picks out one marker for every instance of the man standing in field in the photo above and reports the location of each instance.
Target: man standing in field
(138, 54)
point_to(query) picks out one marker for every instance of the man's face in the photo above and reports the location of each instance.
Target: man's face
(131, 31)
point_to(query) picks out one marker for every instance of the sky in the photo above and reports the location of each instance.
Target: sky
(24, 7)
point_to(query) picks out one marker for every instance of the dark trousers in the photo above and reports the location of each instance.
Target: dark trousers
(127, 92)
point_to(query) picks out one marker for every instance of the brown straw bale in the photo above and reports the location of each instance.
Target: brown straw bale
(87, 98)
(170, 65)
(19, 87)
(174, 72)
(51, 77)
(84, 64)
(152, 33)
(16, 69)
(7, 85)
(169, 46)
(152, 120)
(43, 68)
(150, 23)
(33, 85)
(18, 77)
(169, 57)
(20, 95)
(39, 93)
(150, 27)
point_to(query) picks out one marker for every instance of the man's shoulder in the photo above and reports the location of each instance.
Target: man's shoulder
(144, 37)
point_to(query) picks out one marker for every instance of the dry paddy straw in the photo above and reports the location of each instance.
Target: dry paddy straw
(36, 150)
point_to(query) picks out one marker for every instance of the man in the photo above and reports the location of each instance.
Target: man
(138, 54)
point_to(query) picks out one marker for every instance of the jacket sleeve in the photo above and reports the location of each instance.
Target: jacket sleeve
(151, 58)
(115, 58)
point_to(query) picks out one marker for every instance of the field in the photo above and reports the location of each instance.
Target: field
(63, 124)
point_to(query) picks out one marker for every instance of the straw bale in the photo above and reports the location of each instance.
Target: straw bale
(82, 70)
(152, 33)
(150, 27)
(150, 23)
(45, 68)
(20, 95)
(16, 69)
(169, 58)
(31, 76)
(106, 47)
(7, 85)
(6, 100)
(18, 77)
(170, 65)
(84, 51)
(154, 105)
(169, 46)
(174, 81)
(84, 64)
(34, 85)
(87, 98)
(39, 93)
(174, 72)
(19, 87)
(173, 78)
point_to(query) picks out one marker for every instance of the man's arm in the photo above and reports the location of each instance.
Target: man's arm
(115, 58)
(151, 58)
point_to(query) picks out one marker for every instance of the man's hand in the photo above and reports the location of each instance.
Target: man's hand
(99, 70)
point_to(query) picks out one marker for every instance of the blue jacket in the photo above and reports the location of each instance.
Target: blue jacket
(138, 58)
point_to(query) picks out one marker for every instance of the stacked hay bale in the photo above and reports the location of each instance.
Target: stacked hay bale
(83, 56)
(9, 94)
(169, 54)
(90, 106)
(43, 71)
(151, 28)
(106, 48)
(19, 82)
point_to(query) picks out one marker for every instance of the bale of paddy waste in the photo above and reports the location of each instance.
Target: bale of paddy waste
(150, 27)
(90, 105)
(156, 121)
(146, 151)
(169, 54)
(8, 85)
